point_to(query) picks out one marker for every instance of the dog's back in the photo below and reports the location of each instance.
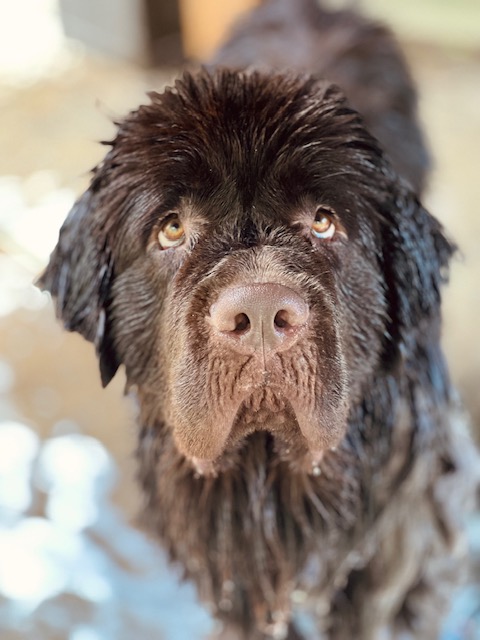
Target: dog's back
(360, 56)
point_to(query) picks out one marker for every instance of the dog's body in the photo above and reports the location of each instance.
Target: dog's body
(271, 285)
(359, 56)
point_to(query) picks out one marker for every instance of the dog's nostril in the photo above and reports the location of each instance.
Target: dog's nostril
(242, 323)
(293, 315)
(281, 320)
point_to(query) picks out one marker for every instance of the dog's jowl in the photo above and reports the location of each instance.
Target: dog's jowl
(254, 252)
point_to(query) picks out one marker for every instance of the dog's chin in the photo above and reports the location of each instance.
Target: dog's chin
(267, 419)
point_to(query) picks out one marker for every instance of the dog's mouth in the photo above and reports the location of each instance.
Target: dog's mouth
(304, 413)
(294, 429)
(271, 413)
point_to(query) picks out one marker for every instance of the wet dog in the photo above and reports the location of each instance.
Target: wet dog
(255, 253)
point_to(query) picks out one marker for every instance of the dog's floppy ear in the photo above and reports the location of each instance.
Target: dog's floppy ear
(416, 254)
(79, 277)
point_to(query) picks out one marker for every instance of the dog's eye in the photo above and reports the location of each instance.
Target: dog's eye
(172, 234)
(323, 226)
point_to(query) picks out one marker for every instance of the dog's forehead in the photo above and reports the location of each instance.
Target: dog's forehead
(235, 129)
(234, 132)
(244, 148)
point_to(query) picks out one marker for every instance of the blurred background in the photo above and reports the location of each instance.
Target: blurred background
(73, 565)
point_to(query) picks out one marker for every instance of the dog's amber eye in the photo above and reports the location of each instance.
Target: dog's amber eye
(172, 234)
(323, 226)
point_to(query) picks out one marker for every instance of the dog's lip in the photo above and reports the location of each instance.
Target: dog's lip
(309, 463)
(319, 437)
(307, 426)
(206, 430)
(204, 466)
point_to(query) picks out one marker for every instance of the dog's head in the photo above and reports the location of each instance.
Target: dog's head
(246, 251)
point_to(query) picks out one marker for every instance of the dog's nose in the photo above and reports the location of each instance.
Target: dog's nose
(263, 317)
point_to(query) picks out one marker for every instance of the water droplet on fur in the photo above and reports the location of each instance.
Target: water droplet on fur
(228, 586)
(316, 471)
(279, 630)
(298, 596)
(225, 604)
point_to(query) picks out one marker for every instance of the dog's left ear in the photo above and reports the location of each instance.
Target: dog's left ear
(416, 254)
(79, 277)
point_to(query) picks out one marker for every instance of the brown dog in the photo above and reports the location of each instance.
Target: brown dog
(262, 267)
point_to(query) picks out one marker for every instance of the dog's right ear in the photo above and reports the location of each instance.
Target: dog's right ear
(79, 277)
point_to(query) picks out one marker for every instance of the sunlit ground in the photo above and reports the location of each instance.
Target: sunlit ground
(72, 564)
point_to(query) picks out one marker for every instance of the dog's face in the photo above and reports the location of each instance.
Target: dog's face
(250, 257)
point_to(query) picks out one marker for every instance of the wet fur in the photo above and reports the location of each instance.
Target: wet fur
(245, 156)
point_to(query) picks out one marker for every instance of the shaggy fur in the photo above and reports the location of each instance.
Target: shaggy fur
(332, 473)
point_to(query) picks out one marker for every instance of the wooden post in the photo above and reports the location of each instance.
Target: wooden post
(205, 24)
